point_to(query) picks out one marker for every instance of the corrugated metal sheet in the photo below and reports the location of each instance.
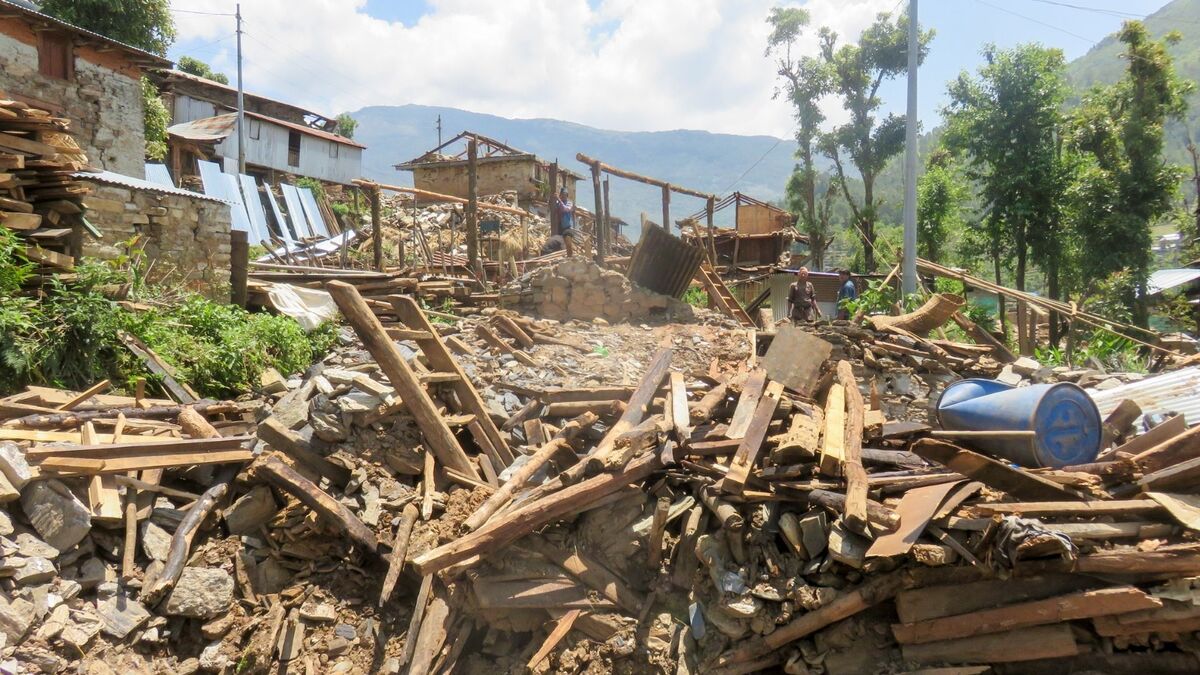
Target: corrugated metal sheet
(215, 185)
(207, 129)
(158, 174)
(662, 263)
(1178, 391)
(295, 211)
(309, 202)
(1165, 280)
(121, 180)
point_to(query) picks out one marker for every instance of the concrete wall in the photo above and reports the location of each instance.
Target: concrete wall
(187, 239)
(103, 100)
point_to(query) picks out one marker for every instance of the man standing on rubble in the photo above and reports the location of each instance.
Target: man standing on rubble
(847, 292)
(566, 219)
(802, 299)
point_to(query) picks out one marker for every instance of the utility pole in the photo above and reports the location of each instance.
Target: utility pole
(439, 128)
(241, 113)
(909, 264)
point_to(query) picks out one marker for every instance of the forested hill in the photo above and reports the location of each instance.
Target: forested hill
(756, 165)
(1103, 65)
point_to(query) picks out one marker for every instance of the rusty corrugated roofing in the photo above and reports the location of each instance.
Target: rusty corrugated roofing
(221, 127)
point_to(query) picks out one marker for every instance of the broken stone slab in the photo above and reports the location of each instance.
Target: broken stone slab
(16, 617)
(156, 542)
(321, 612)
(121, 615)
(327, 427)
(57, 515)
(29, 546)
(8, 493)
(271, 382)
(1025, 366)
(6, 524)
(35, 571)
(1009, 376)
(200, 593)
(251, 511)
(13, 465)
(94, 572)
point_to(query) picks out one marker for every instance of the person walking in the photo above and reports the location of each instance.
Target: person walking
(566, 220)
(847, 291)
(802, 299)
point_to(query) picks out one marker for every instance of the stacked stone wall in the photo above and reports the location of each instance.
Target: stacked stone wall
(185, 240)
(580, 289)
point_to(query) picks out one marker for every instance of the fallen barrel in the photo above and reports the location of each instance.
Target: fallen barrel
(1047, 425)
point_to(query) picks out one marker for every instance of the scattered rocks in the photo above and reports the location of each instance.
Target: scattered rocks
(156, 542)
(121, 615)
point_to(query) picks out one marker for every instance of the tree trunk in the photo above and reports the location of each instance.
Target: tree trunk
(868, 223)
(1052, 272)
(999, 297)
(1024, 339)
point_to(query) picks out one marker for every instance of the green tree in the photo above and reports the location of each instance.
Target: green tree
(821, 231)
(156, 119)
(1006, 124)
(142, 23)
(858, 70)
(940, 195)
(346, 125)
(805, 80)
(1125, 183)
(201, 69)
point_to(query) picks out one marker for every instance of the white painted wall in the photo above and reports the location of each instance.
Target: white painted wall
(270, 149)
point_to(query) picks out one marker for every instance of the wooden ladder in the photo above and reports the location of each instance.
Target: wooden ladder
(447, 371)
(719, 293)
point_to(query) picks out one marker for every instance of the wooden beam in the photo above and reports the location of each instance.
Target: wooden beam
(748, 451)
(436, 432)
(434, 196)
(473, 207)
(855, 514)
(1081, 605)
(833, 443)
(516, 524)
(621, 173)
(282, 476)
(993, 473)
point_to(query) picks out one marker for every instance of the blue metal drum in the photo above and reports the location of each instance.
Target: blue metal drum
(1064, 418)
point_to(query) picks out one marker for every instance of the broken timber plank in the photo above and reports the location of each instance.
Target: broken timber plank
(833, 443)
(1080, 605)
(440, 358)
(436, 432)
(274, 471)
(635, 411)
(752, 442)
(514, 525)
(993, 473)
(273, 432)
(1115, 507)
(180, 391)
(746, 405)
(527, 470)
(934, 602)
(1024, 644)
(855, 514)
(1172, 451)
(561, 628)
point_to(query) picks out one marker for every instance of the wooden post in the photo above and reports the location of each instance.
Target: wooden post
(239, 261)
(552, 213)
(608, 236)
(599, 216)
(472, 205)
(666, 192)
(376, 230)
(709, 209)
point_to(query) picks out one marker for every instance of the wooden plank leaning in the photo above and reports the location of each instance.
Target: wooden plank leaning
(436, 432)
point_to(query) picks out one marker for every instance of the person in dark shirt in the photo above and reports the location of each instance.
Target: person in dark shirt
(846, 291)
(566, 220)
(802, 299)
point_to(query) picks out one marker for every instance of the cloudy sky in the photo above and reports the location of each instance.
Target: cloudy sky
(636, 65)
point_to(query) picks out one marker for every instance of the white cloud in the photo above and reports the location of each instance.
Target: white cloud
(622, 64)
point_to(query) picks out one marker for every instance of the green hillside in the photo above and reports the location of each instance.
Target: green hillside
(1103, 65)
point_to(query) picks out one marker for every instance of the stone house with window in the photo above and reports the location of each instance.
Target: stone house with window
(92, 80)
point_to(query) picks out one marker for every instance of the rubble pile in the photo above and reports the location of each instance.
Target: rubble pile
(442, 227)
(580, 289)
(509, 494)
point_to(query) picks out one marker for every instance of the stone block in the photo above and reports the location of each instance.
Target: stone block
(57, 515)
(251, 511)
(201, 593)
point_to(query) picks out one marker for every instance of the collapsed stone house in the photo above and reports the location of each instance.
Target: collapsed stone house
(283, 141)
(96, 83)
(500, 168)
